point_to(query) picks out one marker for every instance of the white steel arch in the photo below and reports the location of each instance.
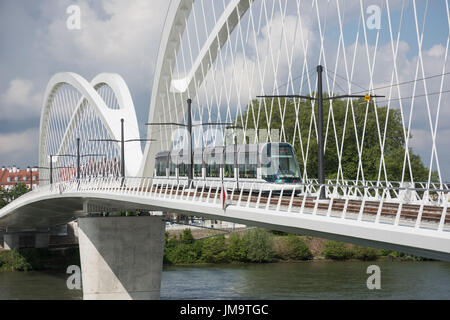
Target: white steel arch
(174, 27)
(164, 84)
(110, 118)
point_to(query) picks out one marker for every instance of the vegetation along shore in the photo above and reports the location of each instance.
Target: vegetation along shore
(249, 246)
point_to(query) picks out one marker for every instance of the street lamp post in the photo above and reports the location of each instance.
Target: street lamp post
(122, 149)
(320, 142)
(51, 169)
(78, 158)
(190, 149)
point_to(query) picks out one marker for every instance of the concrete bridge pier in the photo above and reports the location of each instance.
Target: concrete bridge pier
(11, 241)
(121, 257)
(42, 239)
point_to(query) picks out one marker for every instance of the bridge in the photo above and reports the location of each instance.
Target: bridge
(222, 56)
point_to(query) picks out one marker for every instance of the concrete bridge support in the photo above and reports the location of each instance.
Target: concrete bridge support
(121, 257)
(11, 241)
(42, 239)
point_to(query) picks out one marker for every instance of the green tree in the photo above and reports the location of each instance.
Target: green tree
(183, 253)
(237, 250)
(187, 237)
(182, 250)
(258, 111)
(214, 250)
(17, 190)
(260, 245)
(3, 197)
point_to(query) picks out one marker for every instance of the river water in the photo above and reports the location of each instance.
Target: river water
(303, 280)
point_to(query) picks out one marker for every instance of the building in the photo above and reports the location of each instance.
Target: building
(14, 175)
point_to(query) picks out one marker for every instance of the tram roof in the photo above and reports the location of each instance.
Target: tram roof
(251, 148)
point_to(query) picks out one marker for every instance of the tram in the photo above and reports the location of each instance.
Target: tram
(271, 166)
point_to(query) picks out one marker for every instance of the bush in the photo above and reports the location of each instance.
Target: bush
(292, 247)
(406, 257)
(259, 244)
(297, 249)
(214, 250)
(365, 253)
(183, 253)
(336, 251)
(12, 260)
(385, 252)
(237, 251)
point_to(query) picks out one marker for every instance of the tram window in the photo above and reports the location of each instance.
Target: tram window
(161, 167)
(197, 170)
(182, 169)
(172, 167)
(250, 171)
(241, 171)
(228, 171)
(247, 169)
(213, 170)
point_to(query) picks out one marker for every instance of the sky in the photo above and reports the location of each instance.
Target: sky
(123, 37)
(115, 36)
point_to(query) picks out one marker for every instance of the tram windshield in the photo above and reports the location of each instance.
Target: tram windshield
(281, 164)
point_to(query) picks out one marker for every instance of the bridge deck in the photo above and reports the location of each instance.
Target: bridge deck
(421, 227)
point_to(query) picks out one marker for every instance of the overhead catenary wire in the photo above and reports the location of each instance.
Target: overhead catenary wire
(393, 85)
(415, 96)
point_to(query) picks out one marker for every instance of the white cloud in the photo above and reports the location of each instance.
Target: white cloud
(124, 39)
(422, 142)
(436, 51)
(20, 100)
(19, 146)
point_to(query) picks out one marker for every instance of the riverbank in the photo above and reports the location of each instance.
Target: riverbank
(262, 246)
(184, 248)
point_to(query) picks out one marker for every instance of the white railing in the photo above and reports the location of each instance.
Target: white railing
(389, 184)
(417, 207)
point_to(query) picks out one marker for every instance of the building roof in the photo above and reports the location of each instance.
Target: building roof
(13, 175)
